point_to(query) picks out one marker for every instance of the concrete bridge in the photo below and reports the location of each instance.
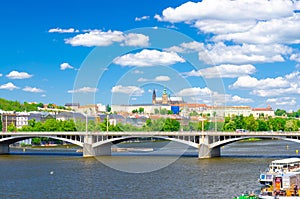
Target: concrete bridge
(99, 143)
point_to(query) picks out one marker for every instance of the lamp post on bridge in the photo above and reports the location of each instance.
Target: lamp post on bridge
(202, 119)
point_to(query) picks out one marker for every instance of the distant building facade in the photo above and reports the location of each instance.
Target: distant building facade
(165, 99)
(265, 112)
(22, 119)
(8, 118)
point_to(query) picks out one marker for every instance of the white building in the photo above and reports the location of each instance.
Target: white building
(101, 108)
(148, 108)
(22, 119)
(266, 112)
(225, 111)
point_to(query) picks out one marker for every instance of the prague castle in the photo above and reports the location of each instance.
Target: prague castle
(165, 99)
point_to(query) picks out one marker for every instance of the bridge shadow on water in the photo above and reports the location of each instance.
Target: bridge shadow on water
(44, 153)
(186, 155)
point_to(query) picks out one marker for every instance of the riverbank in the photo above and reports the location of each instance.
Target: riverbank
(48, 147)
(251, 140)
(78, 149)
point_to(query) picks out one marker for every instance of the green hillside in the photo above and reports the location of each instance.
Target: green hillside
(7, 105)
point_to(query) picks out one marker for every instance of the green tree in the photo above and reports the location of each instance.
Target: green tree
(194, 113)
(230, 126)
(31, 122)
(158, 124)
(11, 128)
(170, 112)
(141, 110)
(193, 126)
(240, 122)
(163, 111)
(68, 125)
(50, 105)
(40, 105)
(291, 125)
(51, 125)
(36, 141)
(108, 108)
(280, 112)
(262, 125)
(171, 125)
(251, 123)
(92, 126)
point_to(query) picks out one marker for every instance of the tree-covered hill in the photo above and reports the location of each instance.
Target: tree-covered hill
(7, 105)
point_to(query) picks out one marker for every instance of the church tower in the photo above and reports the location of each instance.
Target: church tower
(165, 99)
(154, 97)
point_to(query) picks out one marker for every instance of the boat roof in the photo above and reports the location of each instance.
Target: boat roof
(286, 161)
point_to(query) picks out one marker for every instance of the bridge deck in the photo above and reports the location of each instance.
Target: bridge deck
(154, 133)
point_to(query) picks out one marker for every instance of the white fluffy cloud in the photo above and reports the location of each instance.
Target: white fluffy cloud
(65, 66)
(187, 47)
(245, 53)
(224, 71)
(149, 58)
(268, 87)
(141, 18)
(96, 38)
(101, 38)
(295, 57)
(206, 95)
(221, 17)
(138, 72)
(161, 78)
(133, 39)
(0, 75)
(130, 90)
(8, 86)
(283, 30)
(257, 21)
(282, 101)
(240, 100)
(247, 82)
(222, 27)
(85, 89)
(18, 75)
(228, 10)
(60, 30)
(219, 53)
(276, 92)
(195, 91)
(33, 89)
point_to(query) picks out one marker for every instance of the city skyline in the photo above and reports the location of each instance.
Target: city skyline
(112, 52)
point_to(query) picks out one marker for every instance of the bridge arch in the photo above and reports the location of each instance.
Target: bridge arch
(11, 140)
(117, 140)
(232, 140)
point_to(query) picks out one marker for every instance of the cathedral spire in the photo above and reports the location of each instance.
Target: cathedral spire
(154, 97)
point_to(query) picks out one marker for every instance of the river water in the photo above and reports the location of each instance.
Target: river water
(65, 174)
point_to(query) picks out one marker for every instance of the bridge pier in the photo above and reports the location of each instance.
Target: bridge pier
(4, 148)
(206, 152)
(102, 150)
(90, 151)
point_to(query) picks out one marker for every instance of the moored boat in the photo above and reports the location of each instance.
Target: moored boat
(247, 196)
(281, 180)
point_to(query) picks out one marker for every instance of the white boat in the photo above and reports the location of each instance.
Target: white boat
(281, 180)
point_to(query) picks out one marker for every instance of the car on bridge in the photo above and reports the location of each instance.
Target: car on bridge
(241, 131)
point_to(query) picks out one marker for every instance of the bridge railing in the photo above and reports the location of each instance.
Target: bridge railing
(157, 133)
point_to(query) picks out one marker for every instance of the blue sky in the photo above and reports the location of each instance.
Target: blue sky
(117, 52)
